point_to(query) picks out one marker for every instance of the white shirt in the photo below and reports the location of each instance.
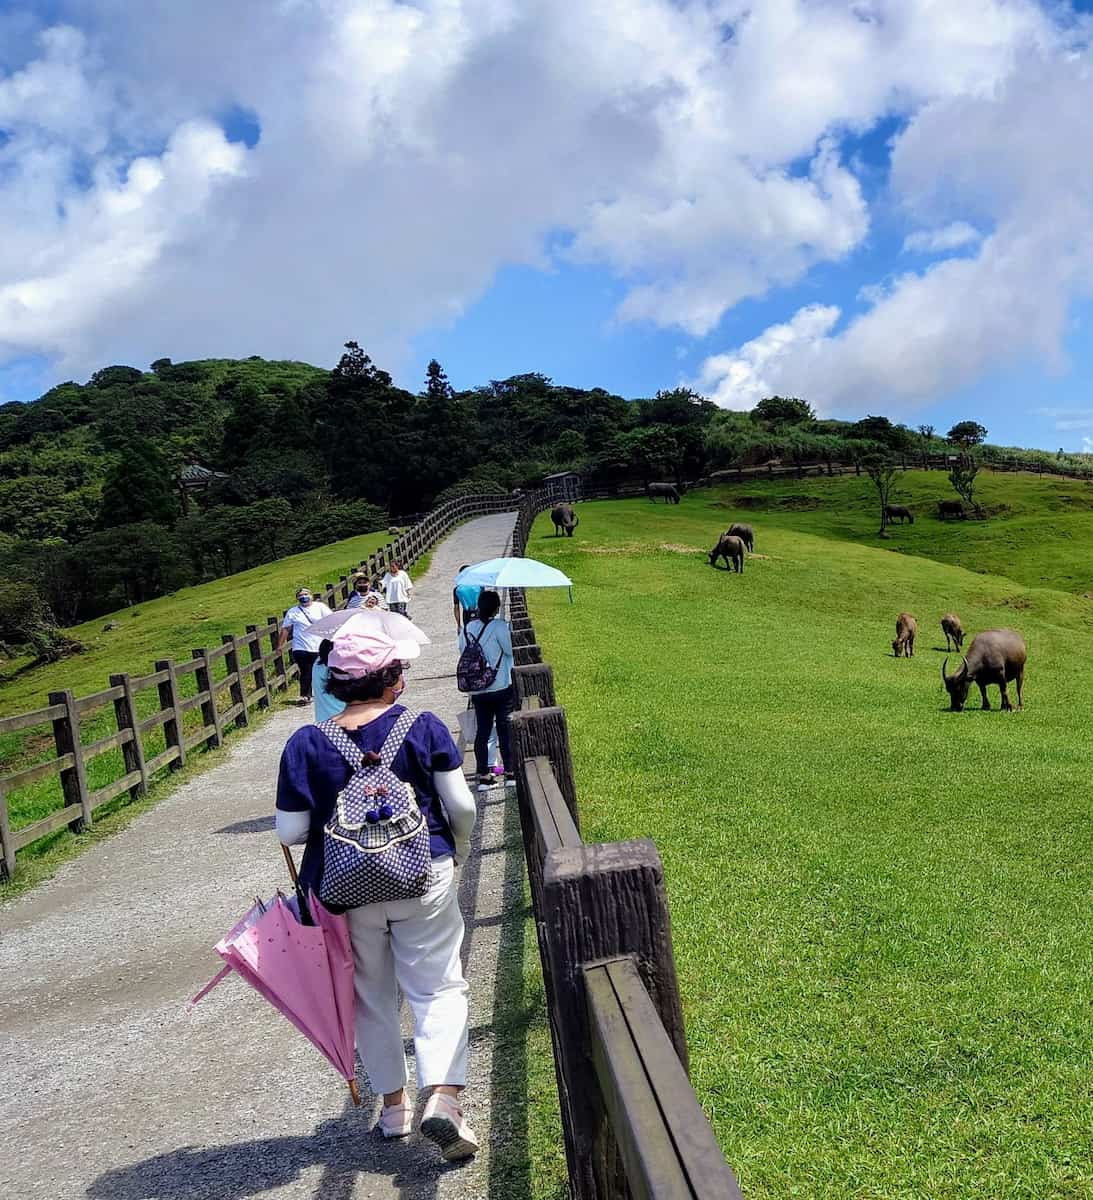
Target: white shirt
(299, 618)
(398, 587)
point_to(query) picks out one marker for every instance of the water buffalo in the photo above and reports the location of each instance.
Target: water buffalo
(745, 533)
(731, 549)
(951, 508)
(953, 631)
(996, 656)
(565, 518)
(898, 512)
(906, 628)
(667, 490)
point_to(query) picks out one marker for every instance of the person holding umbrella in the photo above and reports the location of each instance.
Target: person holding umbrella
(305, 650)
(494, 703)
(413, 943)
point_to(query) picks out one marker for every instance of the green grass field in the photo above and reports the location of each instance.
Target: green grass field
(170, 627)
(880, 908)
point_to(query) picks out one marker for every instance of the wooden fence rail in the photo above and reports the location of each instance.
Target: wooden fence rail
(253, 671)
(632, 1124)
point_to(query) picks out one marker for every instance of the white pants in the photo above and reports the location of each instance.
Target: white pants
(412, 944)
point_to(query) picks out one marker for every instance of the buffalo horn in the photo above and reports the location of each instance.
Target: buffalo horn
(944, 677)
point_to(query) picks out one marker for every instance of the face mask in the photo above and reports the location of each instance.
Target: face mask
(305, 600)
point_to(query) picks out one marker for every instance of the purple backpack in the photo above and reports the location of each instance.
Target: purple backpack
(473, 672)
(376, 843)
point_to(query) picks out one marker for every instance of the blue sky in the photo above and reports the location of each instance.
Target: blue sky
(901, 222)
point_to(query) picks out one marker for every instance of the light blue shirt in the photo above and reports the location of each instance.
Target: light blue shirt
(325, 704)
(496, 644)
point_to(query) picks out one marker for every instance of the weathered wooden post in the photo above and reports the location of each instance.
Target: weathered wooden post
(132, 752)
(543, 732)
(261, 688)
(66, 737)
(210, 713)
(236, 690)
(173, 734)
(602, 901)
(7, 844)
(279, 669)
(535, 679)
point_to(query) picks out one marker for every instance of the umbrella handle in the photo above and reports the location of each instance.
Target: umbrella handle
(354, 1092)
(291, 866)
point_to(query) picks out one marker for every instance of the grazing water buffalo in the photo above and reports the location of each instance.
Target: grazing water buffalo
(906, 628)
(996, 656)
(731, 549)
(898, 512)
(565, 518)
(667, 490)
(953, 631)
(745, 533)
(951, 508)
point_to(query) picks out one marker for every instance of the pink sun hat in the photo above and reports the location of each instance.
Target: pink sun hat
(359, 651)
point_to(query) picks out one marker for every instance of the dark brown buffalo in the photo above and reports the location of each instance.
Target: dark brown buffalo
(996, 656)
(906, 628)
(951, 508)
(898, 512)
(565, 518)
(745, 533)
(667, 490)
(953, 631)
(731, 549)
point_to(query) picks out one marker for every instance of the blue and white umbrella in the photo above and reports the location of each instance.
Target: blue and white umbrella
(513, 573)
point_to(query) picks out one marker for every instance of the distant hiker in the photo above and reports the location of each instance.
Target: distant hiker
(465, 602)
(410, 938)
(495, 698)
(304, 613)
(397, 587)
(326, 704)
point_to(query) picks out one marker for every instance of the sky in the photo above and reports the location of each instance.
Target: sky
(880, 206)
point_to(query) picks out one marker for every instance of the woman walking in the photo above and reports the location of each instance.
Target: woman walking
(493, 704)
(306, 611)
(412, 944)
(398, 588)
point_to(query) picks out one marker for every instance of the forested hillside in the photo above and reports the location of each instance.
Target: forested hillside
(92, 516)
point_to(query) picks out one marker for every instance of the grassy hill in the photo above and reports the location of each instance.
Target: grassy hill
(880, 908)
(169, 627)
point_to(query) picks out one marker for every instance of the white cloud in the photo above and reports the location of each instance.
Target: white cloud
(408, 151)
(937, 241)
(1012, 159)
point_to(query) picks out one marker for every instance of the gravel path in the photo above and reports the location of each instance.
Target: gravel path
(109, 1088)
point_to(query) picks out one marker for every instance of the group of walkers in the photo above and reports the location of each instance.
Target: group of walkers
(392, 593)
(399, 894)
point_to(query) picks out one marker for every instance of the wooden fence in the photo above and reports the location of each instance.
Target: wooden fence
(230, 681)
(633, 1126)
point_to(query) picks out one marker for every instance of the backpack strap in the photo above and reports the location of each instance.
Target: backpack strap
(343, 743)
(392, 743)
(481, 633)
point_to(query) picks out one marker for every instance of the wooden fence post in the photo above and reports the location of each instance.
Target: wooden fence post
(543, 732)
(603, 901)
(7, 845)
(210, 714)
(261, 688)
(168, 699)
(279, 669)
(237, 691)
(536, 679)
(125, 712)
(66, 737)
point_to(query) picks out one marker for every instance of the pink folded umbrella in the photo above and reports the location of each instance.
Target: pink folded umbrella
(304, 971)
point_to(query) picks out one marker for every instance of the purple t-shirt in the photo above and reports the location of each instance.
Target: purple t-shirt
(313, 773)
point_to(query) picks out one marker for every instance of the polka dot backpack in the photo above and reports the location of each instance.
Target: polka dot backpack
(376, 843)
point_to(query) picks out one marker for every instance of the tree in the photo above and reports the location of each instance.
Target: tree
(881, 471)
(967, 434)
(782, 410)
(140, 487)
(962, 477)
(926, 433)
(437, 386)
